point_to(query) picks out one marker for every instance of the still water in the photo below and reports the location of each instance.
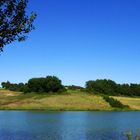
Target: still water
(22, 125)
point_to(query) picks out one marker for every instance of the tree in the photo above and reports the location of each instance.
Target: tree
(47, 84)
(40, 85)
(52, 84)
(108, 87)
(6, 85)
(15, 24)
(125, 89)
(36, 84)
(135, 89)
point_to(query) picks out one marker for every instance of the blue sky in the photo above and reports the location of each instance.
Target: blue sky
(78, 40)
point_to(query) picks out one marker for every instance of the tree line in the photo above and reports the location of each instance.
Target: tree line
(109, 87)
(54, 84)
(43, 84)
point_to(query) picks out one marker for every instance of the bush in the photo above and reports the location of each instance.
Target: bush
(114, 102)
(73, 87)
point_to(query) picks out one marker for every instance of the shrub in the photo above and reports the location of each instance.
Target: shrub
(73, 87)
(114, 102)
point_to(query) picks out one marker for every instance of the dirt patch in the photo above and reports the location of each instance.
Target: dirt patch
(8, 93)
(14, 104)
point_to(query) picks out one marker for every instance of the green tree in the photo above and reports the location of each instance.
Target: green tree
(135, 89)
(6, 85)
(36, 85)
(108, 87)
(48, 84)
(15, 24)
(52, 84)
(125, 89)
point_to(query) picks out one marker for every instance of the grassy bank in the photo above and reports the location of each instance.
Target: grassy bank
(134, 102)
(72, 101)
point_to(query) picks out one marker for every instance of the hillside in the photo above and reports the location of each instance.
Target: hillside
(134, 103)
(72, 100)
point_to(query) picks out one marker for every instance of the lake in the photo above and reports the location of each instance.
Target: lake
(28, 125)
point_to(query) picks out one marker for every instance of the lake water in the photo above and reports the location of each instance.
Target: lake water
(24, 125)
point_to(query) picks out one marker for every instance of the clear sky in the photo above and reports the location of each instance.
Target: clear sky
(78, 40)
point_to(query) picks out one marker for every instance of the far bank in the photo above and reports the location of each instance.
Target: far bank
(72, 100)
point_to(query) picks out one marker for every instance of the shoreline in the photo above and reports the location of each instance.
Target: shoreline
(69, 110)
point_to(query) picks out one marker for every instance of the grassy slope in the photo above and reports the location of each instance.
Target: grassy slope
(134, 103)
(73, 100)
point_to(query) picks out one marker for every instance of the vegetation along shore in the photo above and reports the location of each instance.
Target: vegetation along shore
(49, 94)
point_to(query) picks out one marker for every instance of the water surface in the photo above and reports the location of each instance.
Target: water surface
(24, 125)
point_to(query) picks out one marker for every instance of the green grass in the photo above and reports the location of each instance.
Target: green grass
(72, 100)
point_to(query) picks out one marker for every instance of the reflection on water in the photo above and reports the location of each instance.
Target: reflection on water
(22, 125)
